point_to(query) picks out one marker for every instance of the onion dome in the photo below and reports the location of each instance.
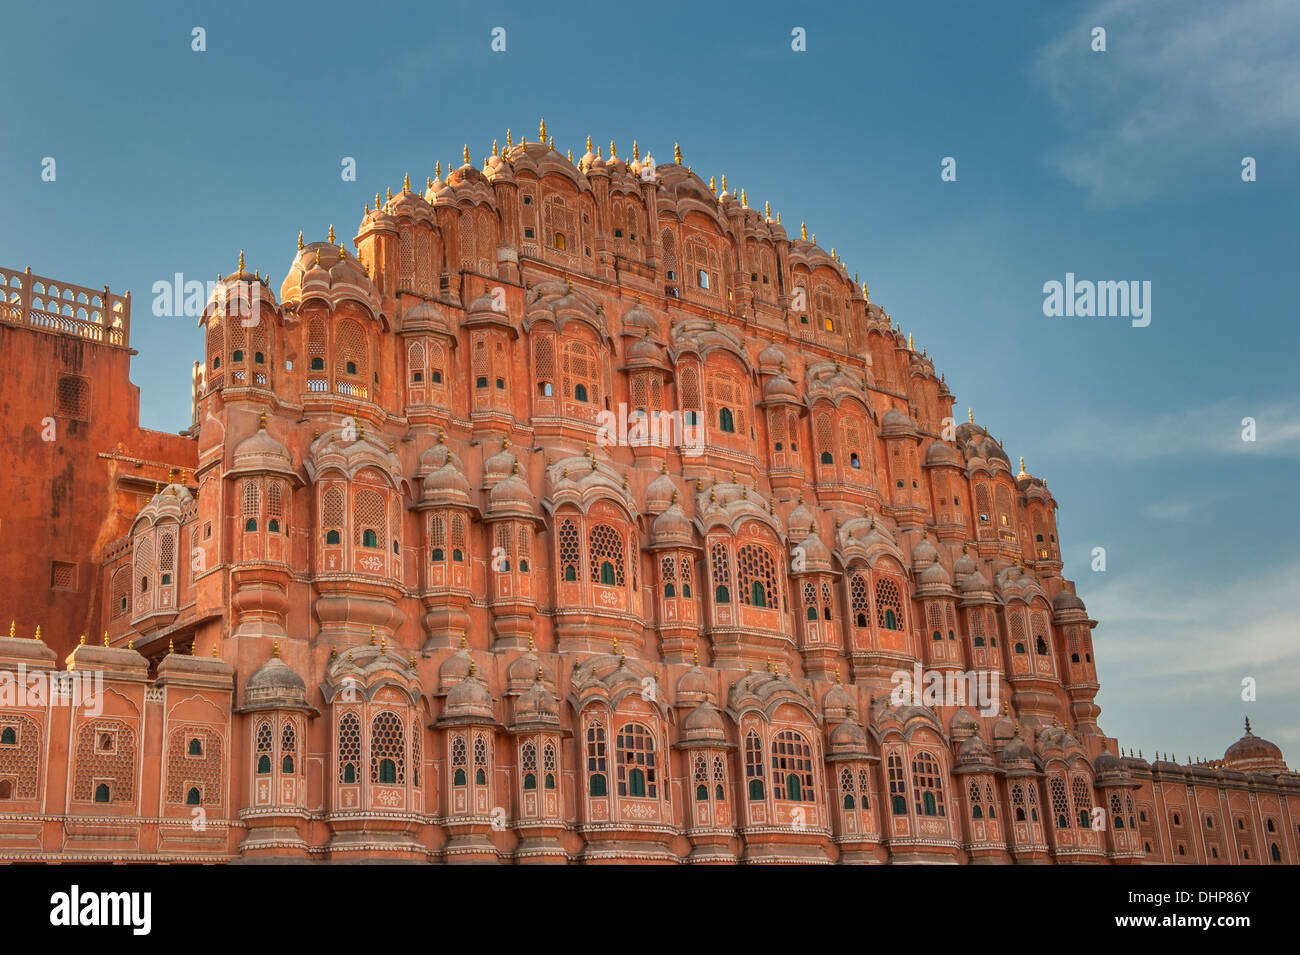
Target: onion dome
(975, 583)
(704, 725)
(274, 685)
(327, 272)
(500, 465)
(923, 554)
(800, 522)
(935, 575)
(537, 704)
(640, 317)
(1016, 754)
(838, 703)
(1252, 753)
(848, 739)
(659, 495)
(672, 527)
(896, 424)
(643, 352)
(1109, 768)
(1067, 600)
(446, 485)
(522, 671)
(694, 686)
(511, 497)
(940, 455)
(780, 387)
(1004, 728)
(170, 502)
(964, 566)
(962, 725)
(261, 452)
(973, 751)
(470, 698)
(424, 315)
(455, 668)
(772, 358)
(816, 555)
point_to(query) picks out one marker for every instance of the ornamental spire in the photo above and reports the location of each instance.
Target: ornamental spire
(541, 131)
(677, 153)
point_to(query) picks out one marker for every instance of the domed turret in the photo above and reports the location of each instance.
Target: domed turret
(1254, 754)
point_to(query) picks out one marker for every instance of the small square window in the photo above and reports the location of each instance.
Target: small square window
(63, 575)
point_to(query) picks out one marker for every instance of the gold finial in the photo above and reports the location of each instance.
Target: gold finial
(724, 182)
(331, 235)
(465, 154)
(837, 674)
(472, 668)
(105, 638)
(442, 435)
(171, 647)
(463, 642)
(530, 643)
(613, 150)
(636, 151)
(744, 199)
(383, 645)
(1247, 724)
(803, 231)
(570, 155)
(372, 636)
(262, 420)
(495, 150)
(589, 142)
(275, 649)
(406, 182)
(389, 193)
(909, 341)
(514, 468)
(437, 169)
(214, 650)
(677, 153)
(539, 675)
(83, 637)
(410, 663)
(695, 655)
(1022, 467)
(541, 130)
(712, 188)
(300, 239)
(970, 415)
(814, 238)
(510, 139)
(767, 210)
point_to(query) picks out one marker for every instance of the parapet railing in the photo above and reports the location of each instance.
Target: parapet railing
(55, 306)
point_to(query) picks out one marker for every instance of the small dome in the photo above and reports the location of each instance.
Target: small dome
(941, 455)
(275, 683)
(964, 566)
(848, 736)
(500, 465)
(1066, 600)
(800, 522)
(895, 423)
(962, 724)
(704, 723)
(512, 494)
(446, 484)
(644, 351)
(672, 526)
(260, 450)
(838, 702)
(455, 668)
(935, 574)
(469, 697)
(424, 313)
(779, 386)
(924, 553)
(694, 685)
(537, 705)
(1016, 751)
(1252, 752)
(659, 495)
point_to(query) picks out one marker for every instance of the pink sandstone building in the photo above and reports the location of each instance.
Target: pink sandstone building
(414, 586)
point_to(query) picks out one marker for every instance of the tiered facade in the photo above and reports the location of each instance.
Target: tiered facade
(413, 587)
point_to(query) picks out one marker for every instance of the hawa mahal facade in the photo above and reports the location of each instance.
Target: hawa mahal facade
(396, 596)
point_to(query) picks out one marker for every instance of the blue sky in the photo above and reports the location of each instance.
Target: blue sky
(1117, 165)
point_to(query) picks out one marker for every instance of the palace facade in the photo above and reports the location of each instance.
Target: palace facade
(411, 589)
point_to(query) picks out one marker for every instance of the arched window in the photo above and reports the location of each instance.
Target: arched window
(598, 781)
(349, 747)
(889, 606)
(792, 768)
(8, 737)
(528, 766)
(1041, 646)
(250, 524)
(102, 794)
(1060, 805)
(634, 748)
(605, 546)
(369, 538)
(1082, 802)
(192, 798)
(827, 458)
(196, 747)
(548, 766)
(758, 597)
(480, 760)
(754, 766)
(579, 392)
(726, 421)
(1274, 853)
(897, 785)
(928, 785)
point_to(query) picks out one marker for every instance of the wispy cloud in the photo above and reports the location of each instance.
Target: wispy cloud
(1181, 81)
(1213, 429)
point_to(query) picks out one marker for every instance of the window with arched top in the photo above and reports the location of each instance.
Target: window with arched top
(528, 765)
(569, 550)
(351, 357)
(1060, 803)
(634, 749)
(889, 605)
(1082, 802)
(349, 748)
(927, 785)
(459, 761)
(605, 546)
(897, 785)
(597, 770)
(754, 766)
(387, 749)
(792, 768)
(581, 370)
(756, 577)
